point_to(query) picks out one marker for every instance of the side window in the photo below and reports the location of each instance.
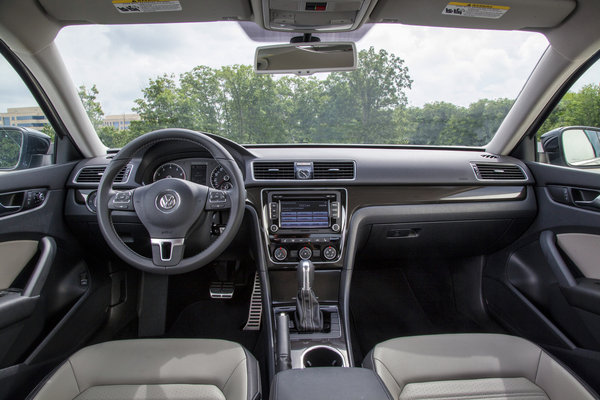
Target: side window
(26, 137)
(570, 135)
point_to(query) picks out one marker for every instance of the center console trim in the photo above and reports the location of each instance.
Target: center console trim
(265, 222)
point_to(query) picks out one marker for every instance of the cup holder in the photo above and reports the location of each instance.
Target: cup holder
(322, 356)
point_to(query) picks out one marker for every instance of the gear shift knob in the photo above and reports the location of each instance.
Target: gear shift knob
(306, 275)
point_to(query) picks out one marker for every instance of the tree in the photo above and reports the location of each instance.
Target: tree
(575, 108)
(366, 97)
(91, 105)
(425, 125)
(109, 135)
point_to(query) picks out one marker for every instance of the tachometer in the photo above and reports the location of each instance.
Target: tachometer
(220, 179)
(168, 170)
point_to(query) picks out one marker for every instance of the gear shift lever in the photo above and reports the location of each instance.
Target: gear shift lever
(309, 317)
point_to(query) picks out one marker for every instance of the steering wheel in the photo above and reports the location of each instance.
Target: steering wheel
(169, 208)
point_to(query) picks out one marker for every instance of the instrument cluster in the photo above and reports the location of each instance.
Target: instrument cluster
(206, 172)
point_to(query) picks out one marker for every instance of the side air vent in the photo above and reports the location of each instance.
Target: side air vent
(94, 174)
(333, 170)
(274, 170)
(492, 171)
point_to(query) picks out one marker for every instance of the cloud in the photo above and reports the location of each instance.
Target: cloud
(14, 93)
(461, 66)
(454, 65)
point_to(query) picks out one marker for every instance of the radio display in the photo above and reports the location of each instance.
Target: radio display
(304, 214)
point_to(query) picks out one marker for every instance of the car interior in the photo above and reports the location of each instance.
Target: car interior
(186, 265)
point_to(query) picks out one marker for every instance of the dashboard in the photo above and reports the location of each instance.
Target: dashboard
(324, 203)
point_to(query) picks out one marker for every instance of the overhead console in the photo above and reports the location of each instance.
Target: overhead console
(304, 224)
(315, 16)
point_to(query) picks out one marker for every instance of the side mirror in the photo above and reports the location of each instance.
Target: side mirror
(22, 148)
(573, 146)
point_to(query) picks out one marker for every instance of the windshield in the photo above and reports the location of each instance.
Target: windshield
(413, 85)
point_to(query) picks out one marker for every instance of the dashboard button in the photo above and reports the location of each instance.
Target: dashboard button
(280, 253)
(329, 253)
(305, 253)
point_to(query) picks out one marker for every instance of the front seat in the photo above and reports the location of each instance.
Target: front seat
(472, 366)
(156, 369)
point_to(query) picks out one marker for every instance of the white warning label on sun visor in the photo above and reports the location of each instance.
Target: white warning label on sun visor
(475, 10)
(145, 6)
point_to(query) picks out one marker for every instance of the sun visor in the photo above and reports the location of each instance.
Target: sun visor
(146, 11)
(484, 14)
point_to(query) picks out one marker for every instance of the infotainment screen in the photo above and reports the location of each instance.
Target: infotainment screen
(304, 214)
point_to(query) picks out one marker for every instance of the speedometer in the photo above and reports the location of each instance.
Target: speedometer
(220, 179)
(168, 170)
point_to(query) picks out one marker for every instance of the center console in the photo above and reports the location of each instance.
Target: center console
(304, 224)
(304, 232)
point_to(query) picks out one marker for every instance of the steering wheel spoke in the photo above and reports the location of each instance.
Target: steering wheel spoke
(121, 200)
(167, 252)
(217, 200)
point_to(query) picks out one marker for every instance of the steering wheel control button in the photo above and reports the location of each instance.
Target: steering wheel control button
(329, 253)
(280, 253)
(167, 202)
(121, 201)
(217, 200)
(305, 253)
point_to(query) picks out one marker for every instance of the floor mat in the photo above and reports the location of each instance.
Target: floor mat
(217, 319)
(391, 302)
(193, 314)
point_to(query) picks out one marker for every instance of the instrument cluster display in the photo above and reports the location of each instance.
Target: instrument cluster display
(197, 171)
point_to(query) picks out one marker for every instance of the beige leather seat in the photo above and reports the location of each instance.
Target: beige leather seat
(157, 369)
(472, 366)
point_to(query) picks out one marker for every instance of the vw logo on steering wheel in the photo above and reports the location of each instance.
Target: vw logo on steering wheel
(167, 202)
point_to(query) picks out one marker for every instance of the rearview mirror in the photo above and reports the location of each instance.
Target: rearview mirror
(573, 146)
(305, 58)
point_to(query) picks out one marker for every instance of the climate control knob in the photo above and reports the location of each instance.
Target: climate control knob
(305, 253)
(329, 253)
(280, 253)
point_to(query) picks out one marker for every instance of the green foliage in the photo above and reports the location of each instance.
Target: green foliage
(575, 108)
(233, 101)
(10, 148)
(443, 123)
(91, 105)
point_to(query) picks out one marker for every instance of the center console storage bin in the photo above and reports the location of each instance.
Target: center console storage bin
(328, 384)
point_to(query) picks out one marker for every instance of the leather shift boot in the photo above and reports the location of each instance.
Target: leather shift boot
(308, 317)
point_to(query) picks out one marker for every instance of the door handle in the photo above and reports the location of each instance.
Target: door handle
(586, 198)
(588, 203)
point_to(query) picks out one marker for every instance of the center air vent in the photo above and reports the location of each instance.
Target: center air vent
(493, 171)
(333, 169)
(274, 170)
(94, 174)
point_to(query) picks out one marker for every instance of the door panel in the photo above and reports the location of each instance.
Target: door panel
(545, 286)
(51, 301)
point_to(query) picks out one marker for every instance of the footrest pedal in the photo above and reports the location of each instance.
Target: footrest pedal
(221, 290)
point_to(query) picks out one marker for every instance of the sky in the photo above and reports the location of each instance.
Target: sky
(455, 65)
